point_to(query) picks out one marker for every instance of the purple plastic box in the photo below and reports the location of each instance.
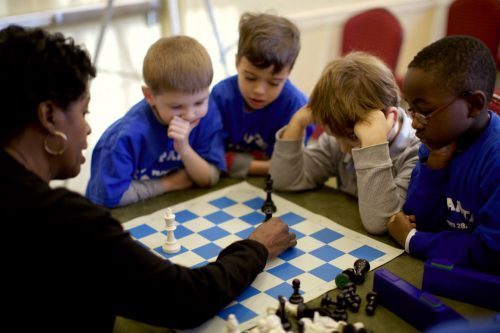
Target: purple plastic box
(463, 284)
(417, 307)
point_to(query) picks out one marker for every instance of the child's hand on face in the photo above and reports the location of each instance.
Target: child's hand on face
(399, 226)
(440, 158)
(179, 130)
(373, 128)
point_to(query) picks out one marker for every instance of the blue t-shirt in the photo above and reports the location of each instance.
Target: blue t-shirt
(136, 147)
(457, 209)
(254, 131)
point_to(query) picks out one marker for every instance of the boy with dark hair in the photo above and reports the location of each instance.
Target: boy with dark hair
(452, 211)
(260, 99)
(167, 141)
(369, 145)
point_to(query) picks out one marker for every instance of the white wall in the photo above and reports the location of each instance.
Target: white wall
(320, 22)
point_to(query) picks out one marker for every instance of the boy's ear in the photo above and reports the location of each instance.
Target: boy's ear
(476, 102)
(391, 113)
(148, 95)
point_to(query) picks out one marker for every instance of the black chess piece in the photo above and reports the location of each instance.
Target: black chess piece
(361, 267)
(296, 297)
(372, 298)
(339, 314)
(349, 328)
(268, 208)
(341, 280)
(304, 311)
(282, 314)
(327, 301)
(341, 301)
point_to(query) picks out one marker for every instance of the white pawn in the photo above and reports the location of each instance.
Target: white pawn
(232, 324)
(171, 244)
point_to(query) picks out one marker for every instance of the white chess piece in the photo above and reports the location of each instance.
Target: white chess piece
(232, 324)
(171, 244)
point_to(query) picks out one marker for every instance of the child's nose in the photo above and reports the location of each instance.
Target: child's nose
(189, 114)
(417, 124)
(259, 88)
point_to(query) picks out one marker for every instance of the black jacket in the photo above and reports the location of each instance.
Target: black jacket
(69, 266)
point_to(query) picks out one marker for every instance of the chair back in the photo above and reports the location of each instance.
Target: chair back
(376, 31)
(477, 18)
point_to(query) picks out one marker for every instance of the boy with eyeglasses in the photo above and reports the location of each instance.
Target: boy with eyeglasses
(453, 206)
(369, 145)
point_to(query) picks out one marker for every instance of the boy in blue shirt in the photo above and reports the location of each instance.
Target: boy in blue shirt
(260, 99)
(452, 210)
(167, 141)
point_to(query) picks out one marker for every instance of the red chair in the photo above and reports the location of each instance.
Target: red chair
(477, 18)
(495, 104)
(376, 31)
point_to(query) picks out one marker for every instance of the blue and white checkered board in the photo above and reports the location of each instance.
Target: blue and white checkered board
(209, 223)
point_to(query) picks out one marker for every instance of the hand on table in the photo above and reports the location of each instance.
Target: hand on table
(399, 226)
(275, 236)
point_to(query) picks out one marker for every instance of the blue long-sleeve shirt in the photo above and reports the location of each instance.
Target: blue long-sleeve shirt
(457, 209)
(254, 131)
(136, 147)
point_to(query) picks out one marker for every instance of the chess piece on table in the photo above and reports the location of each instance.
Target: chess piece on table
(372, 298)
(281, 313)
(327, 301)
(232, 324)
(344, 278)
(361, 267)
(171, 245)
(296, 297)
(268, 208)
(319, 324)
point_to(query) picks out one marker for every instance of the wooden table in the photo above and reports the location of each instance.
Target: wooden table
(334, 205)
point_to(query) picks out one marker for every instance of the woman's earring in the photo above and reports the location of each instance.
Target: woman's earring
(59, 140)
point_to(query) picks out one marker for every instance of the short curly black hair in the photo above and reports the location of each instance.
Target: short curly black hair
(38, 66)
(459, 63)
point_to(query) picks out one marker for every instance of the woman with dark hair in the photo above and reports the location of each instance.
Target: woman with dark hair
(68, 265)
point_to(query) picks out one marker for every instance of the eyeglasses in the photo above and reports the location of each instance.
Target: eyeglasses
(424, 119)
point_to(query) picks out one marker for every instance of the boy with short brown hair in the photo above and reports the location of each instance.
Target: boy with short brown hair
(260, 99)
(167, 141)
(369, 144)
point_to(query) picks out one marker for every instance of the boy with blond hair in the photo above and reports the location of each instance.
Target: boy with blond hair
(368, 145)
(453, 207)
(167, 141)
(260, 99)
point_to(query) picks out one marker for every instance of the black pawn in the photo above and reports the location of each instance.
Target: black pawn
(296, 298)
(339, 314)
(372, 298)
(341, 280)
(361, 267)
(282, 314)
(268, 208)
(341, 302)
(327, 301)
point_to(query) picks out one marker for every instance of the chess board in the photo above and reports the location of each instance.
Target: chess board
(209, 223)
